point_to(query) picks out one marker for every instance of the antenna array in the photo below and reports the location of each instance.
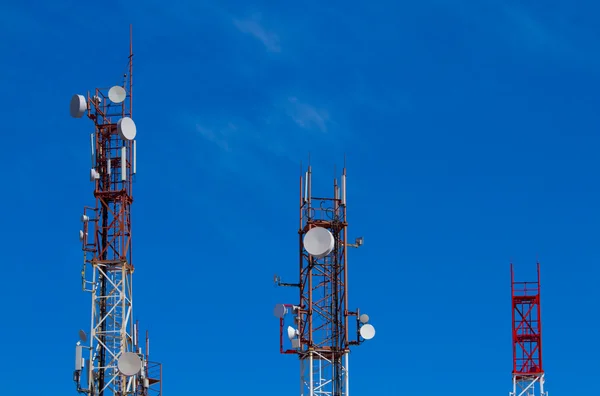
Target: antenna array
(117, 364)
(322, 328)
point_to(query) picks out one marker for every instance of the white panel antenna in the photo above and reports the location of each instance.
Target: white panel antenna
(319, 242)
(126, 128)
(306, 187)
(343, 189)
(92, 150)
(129, 363)
(78, 106)
(123, 163)
(134, 157)
(117, 94)
(78, 358)
(367, 331)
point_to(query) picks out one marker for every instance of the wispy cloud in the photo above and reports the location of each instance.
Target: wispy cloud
(272, 136)
(218, 136)
(306, 115)
(253, 27)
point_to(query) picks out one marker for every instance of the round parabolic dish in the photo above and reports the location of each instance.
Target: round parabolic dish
(319, 242)
(280, 310)
(117, 94)
(78, 106)
(364, 318)
(367, 331)
(129, 363)
(82, 336)
(126, 128)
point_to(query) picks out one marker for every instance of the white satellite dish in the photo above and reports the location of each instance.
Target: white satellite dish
(364, 318)
(319, 242)
(367, 331)
(82, 336)
(117, 94)
(292, 333)
(78, 106)
(129, 364)
(280, 310)
(126, 128)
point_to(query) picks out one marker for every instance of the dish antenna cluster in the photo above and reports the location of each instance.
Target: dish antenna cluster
(321, 329)
(103, 111)
(117, 363)
(117, 95)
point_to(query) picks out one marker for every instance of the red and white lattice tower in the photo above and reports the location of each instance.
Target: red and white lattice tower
(116, 365)
(528, 371)
(320, 329)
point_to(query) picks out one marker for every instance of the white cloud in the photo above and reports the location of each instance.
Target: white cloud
(254, 28)
(306, 115)
(217, 136)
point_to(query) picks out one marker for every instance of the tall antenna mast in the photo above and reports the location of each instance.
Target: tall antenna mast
(321, 329)
(528, 372)
(117, 365)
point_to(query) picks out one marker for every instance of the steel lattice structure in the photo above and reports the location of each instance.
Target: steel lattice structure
(322, 334)
(528, 372)
(108, 266)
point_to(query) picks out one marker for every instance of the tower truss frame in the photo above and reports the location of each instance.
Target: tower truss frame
(528, 375)
(107, 272)
(323, 322)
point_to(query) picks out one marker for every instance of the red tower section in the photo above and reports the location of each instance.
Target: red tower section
(526, 336)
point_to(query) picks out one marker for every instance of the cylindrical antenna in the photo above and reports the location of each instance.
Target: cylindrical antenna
(306, 187)
(309, 187)
(135, 334)
(92, 150)
(123, 163)
(147, 346)
(344, 188)
(134, 156)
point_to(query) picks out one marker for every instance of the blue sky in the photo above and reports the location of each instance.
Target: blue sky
(471, 135)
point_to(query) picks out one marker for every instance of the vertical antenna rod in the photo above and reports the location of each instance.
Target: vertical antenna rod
(528, 372)
(321, 329)
(116, 363)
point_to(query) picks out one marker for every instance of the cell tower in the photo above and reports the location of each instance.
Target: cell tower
(320, 332)
(116, 364)
(528, 372)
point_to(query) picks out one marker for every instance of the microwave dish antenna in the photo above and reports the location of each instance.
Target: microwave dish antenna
(367, 331)
(78, 106)
(280, 310)
(319, 242)
(126, 128)
(129, 364)
(117, 94)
